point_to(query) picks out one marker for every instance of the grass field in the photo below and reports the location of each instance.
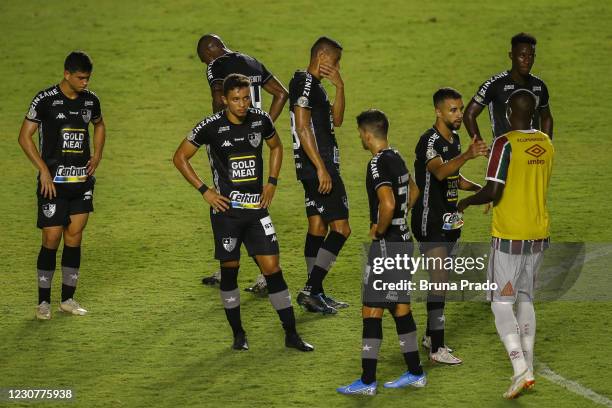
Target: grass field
(155, 337)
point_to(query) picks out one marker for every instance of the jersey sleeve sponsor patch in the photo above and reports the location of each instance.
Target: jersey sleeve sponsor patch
(303, 102)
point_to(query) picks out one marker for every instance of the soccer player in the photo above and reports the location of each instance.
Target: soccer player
(518, 176)
(495, 92)
(317, 164)
(239, 200)
(391, 192)
(435, 221)
(62, 114)
(221, 61)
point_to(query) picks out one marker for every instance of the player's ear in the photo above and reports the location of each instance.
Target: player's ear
(438, 112)
(510, 54)
(224, 99)
(66, 75)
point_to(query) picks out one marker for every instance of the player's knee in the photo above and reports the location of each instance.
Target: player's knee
(51, 239)
(72, 238)
(372, 312)
(316, 226)
(230, 264)
(342, 228)
(402, 309)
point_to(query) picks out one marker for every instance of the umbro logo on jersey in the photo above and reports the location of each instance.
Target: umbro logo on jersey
(536, 150)
(227, 143)
(60, 116)
(223, 129)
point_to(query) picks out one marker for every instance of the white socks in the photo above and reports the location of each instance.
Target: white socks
(525, 315)
(508, 330)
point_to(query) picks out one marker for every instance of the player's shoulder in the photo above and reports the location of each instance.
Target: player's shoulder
(429, 136)
(46, 94)
(301, 77)
(209, 121)
(499, 77)
(90, 95)
(537, 81)
(259, 113)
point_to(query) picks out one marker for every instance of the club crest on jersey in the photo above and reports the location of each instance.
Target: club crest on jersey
(254, 139)
(48, 210)
(229, 244)
(86, 114)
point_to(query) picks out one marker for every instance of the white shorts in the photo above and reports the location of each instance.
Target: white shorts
(514, 275)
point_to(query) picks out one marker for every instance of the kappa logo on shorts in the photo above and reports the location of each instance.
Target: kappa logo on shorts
(254, 139)
(86, 114)
(49, 210)
(229, 243)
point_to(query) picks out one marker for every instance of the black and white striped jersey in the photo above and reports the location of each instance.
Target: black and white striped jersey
(495, 92)
(238, 63)
(306, 91)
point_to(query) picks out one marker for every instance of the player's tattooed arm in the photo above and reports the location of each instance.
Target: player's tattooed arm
(386, 207)
(490, 193)
(333, 74)
(469, 119)
(546, 121)
(216, 93)
(279, 97)
(307, 141)
(99, 139)
(276, 160)
(181, 158)
(441, 170)
(28, 128)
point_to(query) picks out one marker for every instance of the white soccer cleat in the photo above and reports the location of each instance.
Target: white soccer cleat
(43, 311)
(71, 306)
(523, 381)
(443, 356)
(426, 343)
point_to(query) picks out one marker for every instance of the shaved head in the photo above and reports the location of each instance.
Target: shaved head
(210, 46)
(523, 102)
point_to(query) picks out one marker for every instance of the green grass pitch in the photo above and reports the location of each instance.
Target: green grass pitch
(155, 337)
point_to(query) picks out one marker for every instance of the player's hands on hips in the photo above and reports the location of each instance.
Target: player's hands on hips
(332, 73)
(216, 200)
(267, 195)
(325, 181)
(92, 165)
(47, 188)
(477, 148)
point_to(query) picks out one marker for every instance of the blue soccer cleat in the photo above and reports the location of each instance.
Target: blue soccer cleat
(408, 379)
(358, 387)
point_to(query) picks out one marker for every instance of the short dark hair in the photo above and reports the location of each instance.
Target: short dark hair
(78, 61)
(375, 121)
(233, 81)
(445, 93)
(324, 42)
(523, 38)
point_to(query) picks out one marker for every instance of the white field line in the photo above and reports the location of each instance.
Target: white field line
(572, 386)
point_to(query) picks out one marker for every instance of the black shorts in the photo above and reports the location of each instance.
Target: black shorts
(57, 211)
(392, 245)
(434, 236)
(254, 228)
(332, 206)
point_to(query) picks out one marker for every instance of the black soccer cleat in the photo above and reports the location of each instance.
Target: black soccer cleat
(336, 304)
(213, 279)
(240, 342)
(295, 341)
(314, 303)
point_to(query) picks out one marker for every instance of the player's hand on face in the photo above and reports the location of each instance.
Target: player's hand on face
(325, 181)
(477, 148)
(332, 73)
(92, 165)
(267, 195)
(216, 200)
(47, 188)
